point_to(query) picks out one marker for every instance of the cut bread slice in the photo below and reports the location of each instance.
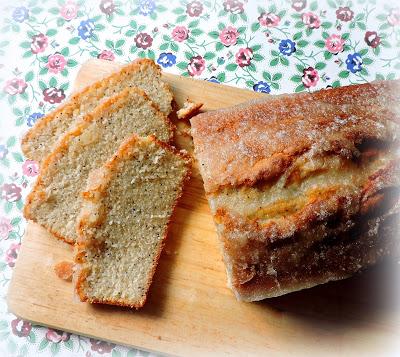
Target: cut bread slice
(55, 199)
(143, 73)
(126, 211)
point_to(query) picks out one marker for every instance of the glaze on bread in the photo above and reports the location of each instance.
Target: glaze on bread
(304, 188)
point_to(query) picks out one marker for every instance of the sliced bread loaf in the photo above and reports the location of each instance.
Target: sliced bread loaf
(55, 199)
(124, 220)
(143, 73)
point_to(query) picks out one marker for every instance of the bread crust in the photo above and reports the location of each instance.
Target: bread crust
(74, 101)
(304, 189)
(49, 162)
(96, 189)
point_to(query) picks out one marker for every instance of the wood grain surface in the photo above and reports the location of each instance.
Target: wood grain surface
(190, 311)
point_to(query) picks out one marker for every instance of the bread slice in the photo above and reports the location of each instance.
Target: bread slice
(55, 199)
(143, 73)
(124, 221)
(304, 189)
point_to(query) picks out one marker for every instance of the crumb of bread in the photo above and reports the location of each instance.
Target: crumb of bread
(188, 110)
(64, 270)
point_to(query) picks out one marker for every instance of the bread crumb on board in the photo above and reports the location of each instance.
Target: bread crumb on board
(188, 110)
(64, 270)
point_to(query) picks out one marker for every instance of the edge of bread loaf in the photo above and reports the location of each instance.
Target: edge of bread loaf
(105, 107)
(94, 192)
(71, 104)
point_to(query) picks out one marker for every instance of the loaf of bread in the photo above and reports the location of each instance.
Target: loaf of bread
(127, 207)
(304, 189)
(143, 73)
(54, 201)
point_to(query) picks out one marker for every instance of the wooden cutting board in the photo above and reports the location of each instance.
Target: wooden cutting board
(190, 311)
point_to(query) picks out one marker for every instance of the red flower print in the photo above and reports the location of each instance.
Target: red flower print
(10, 192)
(53, 95)
(372, 39)
(344, 14)
(106, 55)
(12, 254)
(21, 328)
(334, 44)
(143, 40)
(57, 336)
(311, 20)
(107, 6)
(56, 63)
(15, 86)
(310, 77)
(196, 66)
(229, 36)
(244, 56)
(394, 17)
(269, 19)
(180, 33)
(5, 227)
(30, 168)
(299, 5)
(101, 347)
(233, 6)
(69, 10)
(39, 43)
(194, 8)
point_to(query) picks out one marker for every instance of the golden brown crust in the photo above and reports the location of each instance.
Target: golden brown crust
(96, 189)
(71, 104)
(49, 163)
(304, 189)
(64, 270)
(260, 139)
(188, 110)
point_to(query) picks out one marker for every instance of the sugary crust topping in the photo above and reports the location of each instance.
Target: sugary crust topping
(261, 139)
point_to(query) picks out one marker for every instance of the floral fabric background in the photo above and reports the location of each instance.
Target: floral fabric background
(266, 46)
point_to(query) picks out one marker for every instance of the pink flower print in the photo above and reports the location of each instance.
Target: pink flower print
(69, 11)
(39, 43)
(310, 77)
(5, 227)
(394, 17)
(20, 327)
(372, 39)
(334, 44)
(11, 192)
(56, 63)
(194, 8)
(53, 95)
(57, 336)
(15, 86)
(269, 19)
(299, 5)
(344, 14)
(244, 56)
(311, 20)
(143, 40)
(106, 55)
(30, 168)
(101, 347)
(229, 36)
(180, 33)
(196, 66)
(12, 254)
